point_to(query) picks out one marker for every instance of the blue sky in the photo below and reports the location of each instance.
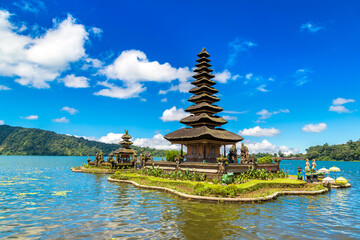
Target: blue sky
(287, 71)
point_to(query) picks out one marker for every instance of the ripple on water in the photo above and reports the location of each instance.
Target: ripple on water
(86, 206)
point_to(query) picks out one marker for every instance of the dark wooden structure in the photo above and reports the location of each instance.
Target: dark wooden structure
(125, 154)
(203, 137)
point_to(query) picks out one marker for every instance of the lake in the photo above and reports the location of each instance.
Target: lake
(40, 198)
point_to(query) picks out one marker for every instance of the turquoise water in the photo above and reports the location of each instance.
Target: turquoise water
(40, 198)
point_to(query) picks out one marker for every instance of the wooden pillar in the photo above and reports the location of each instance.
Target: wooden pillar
(224, 150)
(204, 150)
(181, 151)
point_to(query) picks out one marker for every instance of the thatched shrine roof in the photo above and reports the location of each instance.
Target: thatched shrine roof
(203, 98)
(125, 151)
(203, 89)
(203, 107)
(200, 133)
(203, 119)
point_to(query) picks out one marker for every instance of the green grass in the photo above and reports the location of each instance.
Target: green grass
(252, 188)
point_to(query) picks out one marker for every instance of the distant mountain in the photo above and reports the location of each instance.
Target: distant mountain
(32, 141)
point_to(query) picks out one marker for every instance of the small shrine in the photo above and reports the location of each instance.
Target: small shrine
(125, 154)
(203, 137)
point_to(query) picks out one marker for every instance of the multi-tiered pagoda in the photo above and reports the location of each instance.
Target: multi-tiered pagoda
(202, 137)
(125, 154)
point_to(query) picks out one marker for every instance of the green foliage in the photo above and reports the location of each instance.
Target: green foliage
(171, 155)
(266, 159)
(175, 175)
(349, 151)
(31, 141)
(210, 189)
(259, 174)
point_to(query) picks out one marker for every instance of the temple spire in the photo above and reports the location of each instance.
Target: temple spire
(204, 109)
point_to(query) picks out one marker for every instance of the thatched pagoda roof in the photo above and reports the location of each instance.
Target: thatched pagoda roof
(203, 107)
(203, 119)
(203, 53)
(200, 133)
(203, 74)
(203, 64)
(203, 89)
(203, 98)
(203, 68)
(203, 81)
(125, 151)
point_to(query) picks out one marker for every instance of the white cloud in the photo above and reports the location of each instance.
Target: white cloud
(37, 61)
(75, 82)
(132, 67)
(315, 128)
(61, 120)
(2, 122)
(302, 76)
(261, 88)
(111, 138)
(267, 147)
(34, 6)
(222, 77)
(31, 117)
(259, 132)
(311, 27)
(337, 105)
(158, 142)
(339, 109)
(92, 63)
(230, 118)
(236, 47)
(96, 31)
(265, 114)
(2, 88)
(70, 110)
(183, 87)
(341, 101)
(85, 137)
(173, 114)
(164, 100)
(130, 91)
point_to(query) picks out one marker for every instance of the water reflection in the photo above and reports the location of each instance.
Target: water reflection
(41, 198)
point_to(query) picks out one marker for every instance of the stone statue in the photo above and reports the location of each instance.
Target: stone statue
(313, 167)
(307, 167)
(232, 156)
(101, 157)
(97, 157)
(111, 157)
(244, 154)
(252, 159)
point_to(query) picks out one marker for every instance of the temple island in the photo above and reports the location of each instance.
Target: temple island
(206, 170)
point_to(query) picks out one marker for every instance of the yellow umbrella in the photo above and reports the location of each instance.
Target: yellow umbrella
(334, 169)
(341, 180)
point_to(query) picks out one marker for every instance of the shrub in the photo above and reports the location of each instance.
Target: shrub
(172, 154)
(266, 159)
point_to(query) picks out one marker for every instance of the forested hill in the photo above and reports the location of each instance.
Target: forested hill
(349, 151)
(32, 141)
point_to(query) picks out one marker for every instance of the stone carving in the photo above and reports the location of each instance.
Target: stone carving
(252, 159)
(307, 167)
(111, 157)
(244, 154)
(313, 166)
(232, 156)
(144, 157)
